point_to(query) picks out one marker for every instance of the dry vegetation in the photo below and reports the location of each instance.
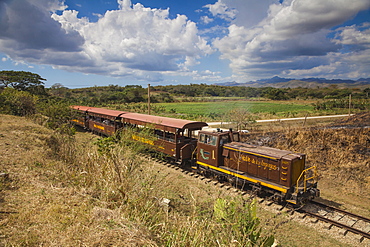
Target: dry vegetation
(62, 191)
(341, 152)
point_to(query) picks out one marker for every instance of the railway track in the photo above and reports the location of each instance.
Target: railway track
(342, 219)
(347, 221)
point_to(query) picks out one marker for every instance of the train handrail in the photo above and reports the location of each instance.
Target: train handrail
(195, 149)
(305, 179)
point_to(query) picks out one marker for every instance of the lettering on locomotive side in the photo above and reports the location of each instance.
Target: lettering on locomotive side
(99, 127)
(259, 162)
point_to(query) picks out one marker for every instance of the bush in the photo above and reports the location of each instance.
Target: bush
(19, 103)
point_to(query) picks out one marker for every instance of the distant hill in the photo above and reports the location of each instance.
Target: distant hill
(279, 82)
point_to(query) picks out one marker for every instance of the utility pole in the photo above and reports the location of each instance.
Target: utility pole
(148, 99)
(349, 104)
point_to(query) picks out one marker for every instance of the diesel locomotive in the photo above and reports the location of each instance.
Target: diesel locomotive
(280, 174)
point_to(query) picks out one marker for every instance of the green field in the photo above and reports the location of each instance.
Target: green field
(220, 108)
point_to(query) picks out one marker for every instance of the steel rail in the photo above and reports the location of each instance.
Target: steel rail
(341, 211)
(332, 222)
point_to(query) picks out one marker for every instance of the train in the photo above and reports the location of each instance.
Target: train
(279, 174)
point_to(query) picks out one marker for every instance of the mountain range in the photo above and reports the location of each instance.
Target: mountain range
(279, 82)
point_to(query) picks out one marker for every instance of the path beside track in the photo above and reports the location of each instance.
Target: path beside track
(285, 119)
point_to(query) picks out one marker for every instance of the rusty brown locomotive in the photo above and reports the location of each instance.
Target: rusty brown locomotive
(281, 174)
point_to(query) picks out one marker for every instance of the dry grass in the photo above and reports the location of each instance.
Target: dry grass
(63, 192)
(46, 200)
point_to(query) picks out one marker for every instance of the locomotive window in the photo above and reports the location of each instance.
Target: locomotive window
(208, 139)
(212, 140)
(202, 138)
(224, 139)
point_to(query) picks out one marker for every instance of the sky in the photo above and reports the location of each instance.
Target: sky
(84, 43)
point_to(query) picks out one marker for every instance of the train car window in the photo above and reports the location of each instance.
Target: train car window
(169, 136)
(159, 134)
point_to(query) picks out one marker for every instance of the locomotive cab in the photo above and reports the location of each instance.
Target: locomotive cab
(210, 146)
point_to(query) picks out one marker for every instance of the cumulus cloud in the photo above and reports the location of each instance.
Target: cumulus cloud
(246, 13)
(222, 10)
(130, 41)
(290, 35)
(206, 20)
(355, 35)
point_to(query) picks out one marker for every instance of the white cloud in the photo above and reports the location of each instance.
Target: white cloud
(221, 10)
(207, 75)
(354, 35)
(131, 41)
(206, 20)
(292, 36)
(246, 13)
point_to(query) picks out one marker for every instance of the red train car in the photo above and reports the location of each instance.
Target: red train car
(98, 120)
(174, 137)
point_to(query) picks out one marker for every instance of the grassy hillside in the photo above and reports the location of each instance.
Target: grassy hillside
(57, 190)
(64, 191)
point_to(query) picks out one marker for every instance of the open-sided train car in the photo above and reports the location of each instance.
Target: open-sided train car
(99, 120)
(174, 137)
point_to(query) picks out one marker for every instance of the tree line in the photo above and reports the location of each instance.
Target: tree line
(204, 90)
(23, 93)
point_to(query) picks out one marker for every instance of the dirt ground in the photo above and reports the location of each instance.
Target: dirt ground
(358, 120)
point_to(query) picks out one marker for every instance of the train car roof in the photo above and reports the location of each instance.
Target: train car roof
(162, 122)
(99, 111)
(106, 112)
(81, 107)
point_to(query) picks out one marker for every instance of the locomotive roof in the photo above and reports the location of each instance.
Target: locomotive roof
(261, 150)
(173, 123)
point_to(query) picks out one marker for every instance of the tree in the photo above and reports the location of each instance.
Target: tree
(241, 117)
(275, 93)
(22, 81)
(59, 90)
